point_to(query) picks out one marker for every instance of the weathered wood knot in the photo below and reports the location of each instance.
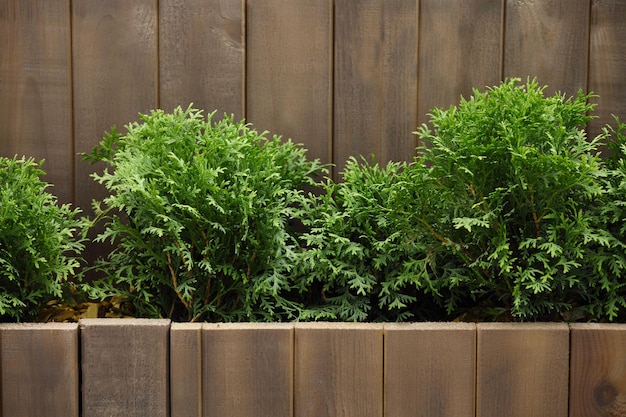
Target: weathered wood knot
(604, 393)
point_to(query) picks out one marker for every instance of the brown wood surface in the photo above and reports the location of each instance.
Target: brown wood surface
(35, 88)
(289, 71)
(247, 369)
(460, 47)
(201, 56)
(186, 369)
(338, 370)
(548, 40)
(124, 367)
(430, 369)
(39, 370)
(522, 369)
(375, 92)
(598, 370)
(115, 75)
(607, 63)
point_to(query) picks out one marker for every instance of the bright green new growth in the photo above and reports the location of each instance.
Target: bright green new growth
(37, 240)
(205, 232)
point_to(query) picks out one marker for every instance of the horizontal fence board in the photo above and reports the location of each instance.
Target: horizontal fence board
(522, 369)
(35, 88)
(186, 369)
(289, 71)
(39, 373)
(548, 40)
(201, 56)
(125, 367)
(247, 370)
(338, 370)
(430, 369)
(598, 370)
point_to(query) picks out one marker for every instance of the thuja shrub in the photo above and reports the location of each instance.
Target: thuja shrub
(509, 212)
(357, 250)
(524, 202)
(40, 242)
(199, 215)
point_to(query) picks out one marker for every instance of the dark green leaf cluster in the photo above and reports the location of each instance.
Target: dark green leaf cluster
(360, 261)
(38, 240)
(200, 213)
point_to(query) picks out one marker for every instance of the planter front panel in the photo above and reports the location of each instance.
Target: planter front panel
(39, 370)
(598, 370)
(125, 367)
(430, 369)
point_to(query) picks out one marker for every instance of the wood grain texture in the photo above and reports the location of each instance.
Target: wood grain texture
(186, 369)
(201, 55)
(247, 369)
(375, 92)
(289, 71)
(548, 40)
(338, 370)
(460, 47)
(124, 367)
(430, 369)
(35, 88)
(115, 75)
(39, 370)
(522, 369)
(598, 370)
(607, 62)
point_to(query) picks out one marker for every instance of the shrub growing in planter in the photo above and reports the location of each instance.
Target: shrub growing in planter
(359, 258)
(39, 246)
(508, 213)
(199, 212)
(519, 185)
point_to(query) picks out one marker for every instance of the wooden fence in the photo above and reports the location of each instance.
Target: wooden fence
(134, 367)
(344, 77)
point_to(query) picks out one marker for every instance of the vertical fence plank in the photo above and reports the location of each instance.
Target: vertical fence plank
(375, 91)
(460, 47)
(430, 369)
(289, 71)
(201, 55)
(598, 370)
(35, 88)
(607, 63)
(39, 370)
(114, 73)
(548, 40)
(522, 369)
(124, 367)
(186, 369)
(247, 369)
(338, 370)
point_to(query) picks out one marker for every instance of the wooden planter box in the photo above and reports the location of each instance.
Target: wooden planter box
(111, 367)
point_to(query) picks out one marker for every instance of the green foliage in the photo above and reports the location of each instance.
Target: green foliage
(519, 186)
(508, 213)
(37, 240)
(199, 213)
(360, 260)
